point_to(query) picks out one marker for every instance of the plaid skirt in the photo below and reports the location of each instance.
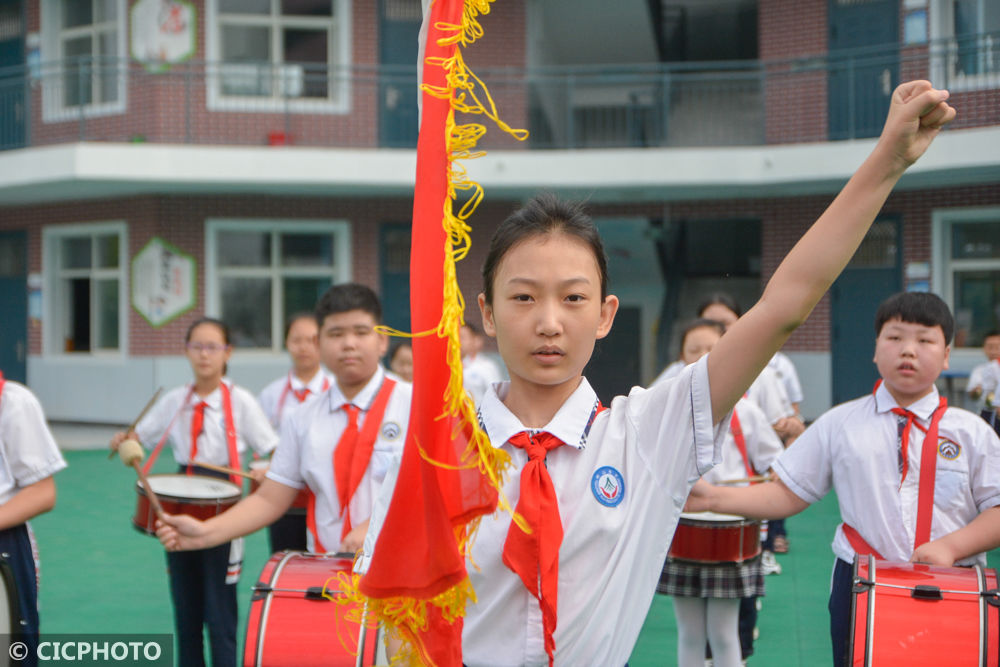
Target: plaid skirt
(725, 580)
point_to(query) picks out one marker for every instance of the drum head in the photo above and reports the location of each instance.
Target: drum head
(195, 487)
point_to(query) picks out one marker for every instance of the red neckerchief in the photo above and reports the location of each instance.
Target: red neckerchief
(227, 411)
(359, 458)
(300, 395)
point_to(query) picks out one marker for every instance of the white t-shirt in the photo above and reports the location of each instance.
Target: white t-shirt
(670, 371)
(478, 375)
(309, 438)
(854, 449)
(622, 480)
(762, 443)
(28, 453)
(175, 410)
(278, 398)
(768, 393)
(784, 369)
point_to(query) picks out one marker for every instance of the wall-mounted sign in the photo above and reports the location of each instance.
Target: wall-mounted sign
(163, 282)
(162, 32)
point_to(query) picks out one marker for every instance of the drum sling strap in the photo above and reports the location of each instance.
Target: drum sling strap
(741, 443)
(357, 454)
(925, 486)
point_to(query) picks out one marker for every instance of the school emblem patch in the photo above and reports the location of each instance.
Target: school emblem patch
(949, 450)
(608, 486)
(391, 430)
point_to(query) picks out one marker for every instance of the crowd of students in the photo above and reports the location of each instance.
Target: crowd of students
(601, 487)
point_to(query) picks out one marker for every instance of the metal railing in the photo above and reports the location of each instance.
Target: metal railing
(827, 97)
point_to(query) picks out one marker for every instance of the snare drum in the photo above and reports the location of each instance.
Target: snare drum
(199, 496)
(915, 614)
(706, 537)
(292, 623)
(301, 501)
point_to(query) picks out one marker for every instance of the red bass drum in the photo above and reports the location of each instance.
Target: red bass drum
(292, 623)
(914, 614)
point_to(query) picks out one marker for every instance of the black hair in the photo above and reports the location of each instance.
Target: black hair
(347, 297)
(722, 299)
(218, 324)
(396, 347)
(295, 317)
(699, 323)
(990, 334)
(916, 308)
(544, 214)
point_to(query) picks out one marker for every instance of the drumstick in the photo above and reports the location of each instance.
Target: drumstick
(153, 500)
(131, 455)
(746, 480)
(228, 471)
(142, 414)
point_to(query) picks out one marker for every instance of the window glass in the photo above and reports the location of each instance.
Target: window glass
(975, 240)
(301, 294)
(977, 306)
(242, 43)
(244, 248)
(76, 252)
(246, 308)
(307, 7)
(104, 10)
(107, 251)
(107, 314)
(307, 250)
(245, 6)
(76, 13)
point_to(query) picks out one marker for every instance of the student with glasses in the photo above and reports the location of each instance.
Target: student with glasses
(210, 421)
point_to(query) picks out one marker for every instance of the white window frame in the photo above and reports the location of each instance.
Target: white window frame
(339, 272)
(942, 65)
(339, 61)
(54, 275)
(54, 108)
(944, 266)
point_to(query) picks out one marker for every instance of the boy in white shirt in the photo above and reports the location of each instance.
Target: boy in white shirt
(871, 451)
(319, 443)
(982, 379)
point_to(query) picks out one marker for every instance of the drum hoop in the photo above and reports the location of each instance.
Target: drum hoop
(191, 500)
(266, 607)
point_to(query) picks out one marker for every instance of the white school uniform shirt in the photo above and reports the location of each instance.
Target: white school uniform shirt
(309, 438)
(991, 380)
(270, 398)
(673, 370)
(854, 448)
(176, 408)
(762, 443)
(768, 393)
(784, 369)
(478, 375)
(650, 447)
(28, 453)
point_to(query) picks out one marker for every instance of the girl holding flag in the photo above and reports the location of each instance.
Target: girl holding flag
(598, 490)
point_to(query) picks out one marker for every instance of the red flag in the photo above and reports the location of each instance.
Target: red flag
(416, 581)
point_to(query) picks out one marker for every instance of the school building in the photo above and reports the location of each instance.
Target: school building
(165, 159)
